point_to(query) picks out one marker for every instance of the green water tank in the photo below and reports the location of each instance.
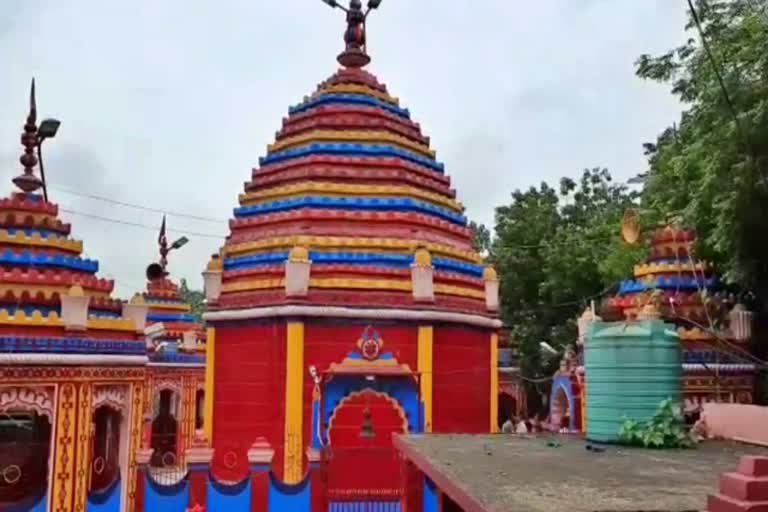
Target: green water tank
(630, 367)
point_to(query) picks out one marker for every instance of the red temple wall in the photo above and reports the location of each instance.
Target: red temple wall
(249, 394)
(461, 380)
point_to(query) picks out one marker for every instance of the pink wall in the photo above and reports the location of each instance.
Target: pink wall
(746, 423)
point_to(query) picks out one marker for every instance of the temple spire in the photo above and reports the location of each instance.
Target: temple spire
(27, 181)
(355, 53)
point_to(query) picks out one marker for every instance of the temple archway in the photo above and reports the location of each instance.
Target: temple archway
(164, 440)
(105, 455)
(25, 446)
(561, 408)
(362, 457)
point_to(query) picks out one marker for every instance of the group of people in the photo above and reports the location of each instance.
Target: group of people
(533, 425)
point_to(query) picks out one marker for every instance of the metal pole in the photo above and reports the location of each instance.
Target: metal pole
(42, 169)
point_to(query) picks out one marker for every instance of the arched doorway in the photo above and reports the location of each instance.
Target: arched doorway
(561, 408)
(25, 444)
(199, 409)
(105, 458)
(507, 408)
(164, 440)
(363, 463)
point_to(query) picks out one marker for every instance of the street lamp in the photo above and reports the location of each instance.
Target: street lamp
(48, 129)
(178, 244)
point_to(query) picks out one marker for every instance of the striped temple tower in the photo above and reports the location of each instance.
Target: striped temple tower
(72, 362)
(176, 373)
(714, 330)
(348, 305)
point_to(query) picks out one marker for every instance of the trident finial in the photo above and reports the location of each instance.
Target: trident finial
(354, 54)
(27, 181)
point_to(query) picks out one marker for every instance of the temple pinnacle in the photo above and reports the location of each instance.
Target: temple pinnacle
(27, 181)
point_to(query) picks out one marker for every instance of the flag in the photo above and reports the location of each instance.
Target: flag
(161, 239)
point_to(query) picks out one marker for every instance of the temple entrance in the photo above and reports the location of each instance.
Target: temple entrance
(560, 417)
(105, 460)
(25, 443)
(164, 464)
(362, 465)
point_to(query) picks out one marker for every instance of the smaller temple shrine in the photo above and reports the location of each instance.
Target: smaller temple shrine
(714, 328)
(176, 370)
(72, 360)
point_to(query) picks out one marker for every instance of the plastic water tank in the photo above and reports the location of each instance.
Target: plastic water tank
(630, 368)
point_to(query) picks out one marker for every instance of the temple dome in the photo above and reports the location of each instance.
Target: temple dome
(352, 179)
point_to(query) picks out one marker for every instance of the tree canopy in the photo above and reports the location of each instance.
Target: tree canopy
(709, 170)
(195, 298)
(555, 249)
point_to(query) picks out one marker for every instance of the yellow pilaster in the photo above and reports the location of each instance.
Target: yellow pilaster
(294, 378)
(136, 425)
(63, 489)
(425, 358)
(210, 352)
(494, 382)
(83, 446)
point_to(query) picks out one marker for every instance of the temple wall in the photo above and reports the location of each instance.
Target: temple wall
(461, 387)
(249, 394)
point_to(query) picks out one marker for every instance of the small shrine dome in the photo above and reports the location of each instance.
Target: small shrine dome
(351, 189)
(54, 309)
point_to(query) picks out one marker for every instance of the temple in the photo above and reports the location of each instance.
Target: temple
(347, 305)
(72, 362)
(176, 372)
(714, 328)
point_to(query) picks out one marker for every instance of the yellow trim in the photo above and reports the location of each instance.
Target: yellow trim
(338, 136)
(112, 324)
(334, 189)
(37, 218)
(55, 242)
(210, 359)
(294, 409)
(153, 306)
(494, 383)
(425, 361)
(353, 284)
(83, 450)
(357, 89)
(137, 391)
(348, 243)
(35, 319)
(47, 291)
(669, 268)
(63, 485)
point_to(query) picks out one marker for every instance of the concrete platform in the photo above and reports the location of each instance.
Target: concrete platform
(509, 473)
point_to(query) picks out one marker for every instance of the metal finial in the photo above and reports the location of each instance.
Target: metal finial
(355, 54)
(27, 181)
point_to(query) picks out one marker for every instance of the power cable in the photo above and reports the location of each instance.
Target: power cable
(138, 225)
(138, 206)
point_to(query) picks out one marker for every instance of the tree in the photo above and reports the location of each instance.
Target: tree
(481, 237)
(555, 249)
(710, 169)
(195, 298)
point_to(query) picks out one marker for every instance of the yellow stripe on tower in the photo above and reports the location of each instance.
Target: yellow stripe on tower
(357, 89)
(210, 359)
(294, 407)
(347, 244)
(494, 383)
(372, 137)
(63, 485)
(425, 359)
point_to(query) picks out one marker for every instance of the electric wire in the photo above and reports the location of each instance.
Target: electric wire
(138, 224)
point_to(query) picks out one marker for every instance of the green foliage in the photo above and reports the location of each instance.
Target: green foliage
(710, 170)
(481, 237)
(554, 250)
(665, 430)
(195, 298)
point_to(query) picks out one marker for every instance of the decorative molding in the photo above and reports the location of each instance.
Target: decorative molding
(39, 400)
(71, 359)
(365, 313)
(114, 397)
(21, 375)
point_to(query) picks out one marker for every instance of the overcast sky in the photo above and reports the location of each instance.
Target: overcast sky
(170, 103)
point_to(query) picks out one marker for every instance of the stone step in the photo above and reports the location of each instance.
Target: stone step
(753, 465)
(743, 487)
(720, 503)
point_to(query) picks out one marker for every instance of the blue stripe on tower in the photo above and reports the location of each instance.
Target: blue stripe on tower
(26, 258)
(345, 203)
(356, 150)
(349, 99)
